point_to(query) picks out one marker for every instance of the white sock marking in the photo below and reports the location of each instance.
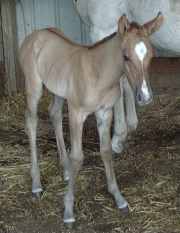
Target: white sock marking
(69, 220)
(140, 50)
(123, 205)
(38, 190)
(145, 89)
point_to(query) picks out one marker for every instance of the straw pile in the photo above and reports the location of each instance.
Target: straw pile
(148, 173)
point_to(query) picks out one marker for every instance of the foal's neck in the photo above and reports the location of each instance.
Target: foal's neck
(108, 56)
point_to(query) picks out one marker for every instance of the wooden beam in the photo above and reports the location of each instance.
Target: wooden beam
(10, 45)
(2, 68)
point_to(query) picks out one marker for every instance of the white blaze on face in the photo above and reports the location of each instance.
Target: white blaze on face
(141, 50)
(145, 90)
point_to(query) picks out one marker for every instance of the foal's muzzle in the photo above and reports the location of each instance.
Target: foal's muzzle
(144, 94)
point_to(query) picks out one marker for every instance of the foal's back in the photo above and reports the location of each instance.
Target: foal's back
(77, 73)
(48, 56)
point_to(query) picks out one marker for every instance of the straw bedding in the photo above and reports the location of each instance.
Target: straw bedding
(148, 173)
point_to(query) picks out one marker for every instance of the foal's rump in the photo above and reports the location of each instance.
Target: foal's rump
(48, 57)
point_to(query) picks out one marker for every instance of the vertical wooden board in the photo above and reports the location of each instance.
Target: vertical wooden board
(8, 16)
(21, 32)
(35, 14)
(57, 5)
(85, 33)
(44, 13)
(2, 77)
(25, 18)
(1, 41)
(70, 22)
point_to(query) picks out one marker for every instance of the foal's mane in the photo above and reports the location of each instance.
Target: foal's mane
(134, 27)
(102, 41)
(60, 34)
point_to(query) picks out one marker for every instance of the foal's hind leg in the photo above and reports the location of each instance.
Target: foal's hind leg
(104, 119)
(33, 97)
(56, 114)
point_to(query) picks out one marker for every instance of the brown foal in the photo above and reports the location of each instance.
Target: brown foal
(88, 77)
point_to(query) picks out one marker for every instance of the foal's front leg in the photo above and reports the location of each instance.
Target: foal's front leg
(104, 119)
(76, 119)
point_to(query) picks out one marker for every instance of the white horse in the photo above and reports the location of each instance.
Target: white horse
(101, 16)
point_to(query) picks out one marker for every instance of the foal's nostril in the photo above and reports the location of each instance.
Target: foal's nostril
(143, 100)
(139, 98)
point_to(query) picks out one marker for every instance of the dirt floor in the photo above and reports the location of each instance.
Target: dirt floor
(148, 172)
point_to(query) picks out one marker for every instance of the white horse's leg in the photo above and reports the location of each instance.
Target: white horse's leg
(56, 115)
(104, 121)
(131, 116)
(120, 125)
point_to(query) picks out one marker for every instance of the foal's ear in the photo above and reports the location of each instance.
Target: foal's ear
(153, 25)
(123, 24)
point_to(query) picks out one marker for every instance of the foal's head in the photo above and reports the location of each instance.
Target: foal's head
(137, 54)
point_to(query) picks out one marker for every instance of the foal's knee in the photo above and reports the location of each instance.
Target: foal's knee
(106, 153)
(30, 120)
(76, 157)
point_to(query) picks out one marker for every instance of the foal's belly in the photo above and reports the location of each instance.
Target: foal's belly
(105, 99)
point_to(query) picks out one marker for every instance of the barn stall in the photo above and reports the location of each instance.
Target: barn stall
(148, 170)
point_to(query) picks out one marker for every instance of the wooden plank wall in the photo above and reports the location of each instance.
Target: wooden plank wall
(36, 14)
(18, 19)
(9, 38)
(2, 68)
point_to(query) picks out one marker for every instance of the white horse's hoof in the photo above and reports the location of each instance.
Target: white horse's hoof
(132, 126)
(117, 145)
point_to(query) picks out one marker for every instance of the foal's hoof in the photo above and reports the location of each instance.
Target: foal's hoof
(124, 210)
(69, 226)
(132, 126)
(69, 222)
(36, 194)
(66, 176)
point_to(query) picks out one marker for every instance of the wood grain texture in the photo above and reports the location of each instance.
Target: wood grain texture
(8, 16)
